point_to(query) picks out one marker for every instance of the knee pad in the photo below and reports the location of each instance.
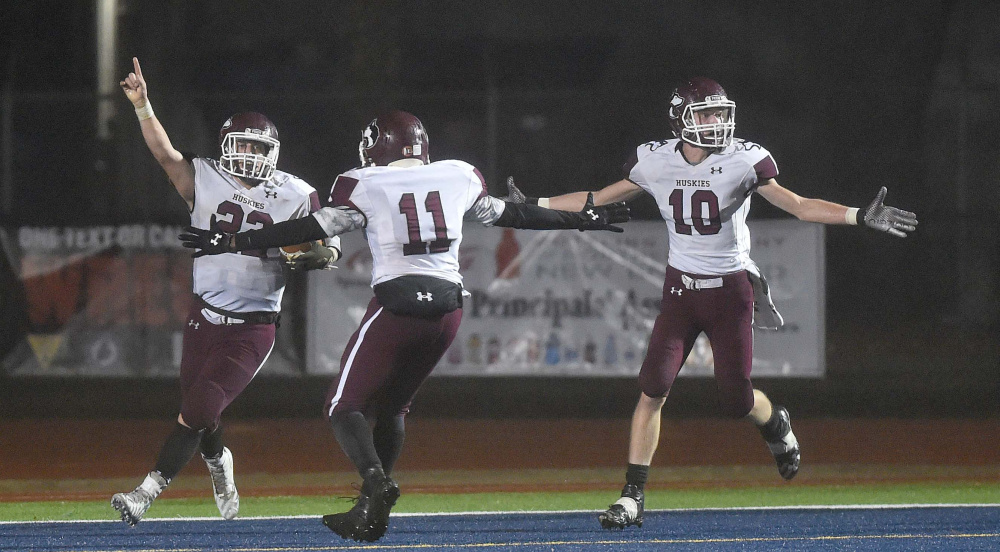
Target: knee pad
(202, 405)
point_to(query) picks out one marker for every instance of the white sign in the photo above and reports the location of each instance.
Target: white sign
(570, 303)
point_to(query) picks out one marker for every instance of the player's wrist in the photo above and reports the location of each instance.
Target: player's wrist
(145, 111)
(540, 201)
(853, 216)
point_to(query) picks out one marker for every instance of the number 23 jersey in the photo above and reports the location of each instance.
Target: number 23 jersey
(415, 215)
(705, 206)
(251, 280)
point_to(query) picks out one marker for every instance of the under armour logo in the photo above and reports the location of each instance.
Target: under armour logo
(676, 291)
(273, 194)
(716, 170)
(215, 238)
(194, 324)
(593, 215)
(424, 296)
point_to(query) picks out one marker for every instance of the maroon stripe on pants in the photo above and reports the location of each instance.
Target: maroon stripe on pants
(387, 359)
(725, 314)
(217, 364)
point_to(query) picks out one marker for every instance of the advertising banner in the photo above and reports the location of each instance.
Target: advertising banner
(572, 303)
(99, 301)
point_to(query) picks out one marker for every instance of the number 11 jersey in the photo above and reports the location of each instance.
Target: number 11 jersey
(415, 215)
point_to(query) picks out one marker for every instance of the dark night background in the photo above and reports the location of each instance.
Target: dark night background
(848, 96)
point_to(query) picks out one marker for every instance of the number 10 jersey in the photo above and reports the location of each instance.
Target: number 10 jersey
(705, 206)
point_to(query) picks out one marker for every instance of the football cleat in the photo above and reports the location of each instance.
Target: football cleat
(133, 505)
(383, 497)
(352, 523)
(227, 498)
(368, 520)
(784, 446)
(626, 511)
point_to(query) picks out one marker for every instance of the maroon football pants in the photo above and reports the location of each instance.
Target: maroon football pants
(217, 364)
(387, 359)
(725, 314)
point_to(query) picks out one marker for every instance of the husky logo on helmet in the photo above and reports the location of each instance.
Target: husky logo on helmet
(675, 103)
(701, 114)
(251, 153)
(370, 134)
(394, 138)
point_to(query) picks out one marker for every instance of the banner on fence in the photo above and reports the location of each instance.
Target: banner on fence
(98, 301)
(572, 303)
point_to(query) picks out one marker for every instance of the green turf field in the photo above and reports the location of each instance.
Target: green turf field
(791, 495)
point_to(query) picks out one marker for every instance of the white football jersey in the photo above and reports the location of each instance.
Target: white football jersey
(705, 206)
(414, 214)
(248, 281)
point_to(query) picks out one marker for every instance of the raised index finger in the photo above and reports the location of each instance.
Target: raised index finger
(138, 71)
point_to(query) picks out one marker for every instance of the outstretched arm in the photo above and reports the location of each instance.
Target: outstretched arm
(326, 222)
(497, 212)
(877, 215)
(620, 191)
(179, 171)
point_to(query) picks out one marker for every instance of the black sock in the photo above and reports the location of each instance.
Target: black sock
(389, 434)
(177, 451)
(211, 443)
(636, 474)
(355, 438)
(772, 429)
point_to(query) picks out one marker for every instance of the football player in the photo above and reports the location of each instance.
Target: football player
(231, 326)
(702, 180)
(413, 212)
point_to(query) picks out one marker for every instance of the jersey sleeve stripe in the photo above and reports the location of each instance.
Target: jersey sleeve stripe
(766, 168)
(482, 181)
(629, 164)
(340, 194)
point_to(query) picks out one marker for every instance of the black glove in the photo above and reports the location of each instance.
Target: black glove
(207, 242)
(516, 196)
(603, 217)
(887, 219)
(316, 258)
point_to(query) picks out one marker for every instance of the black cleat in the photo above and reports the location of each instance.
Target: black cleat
(626, 511)
(384, 493)
(782, 443)
(352, 523)
(368, 520)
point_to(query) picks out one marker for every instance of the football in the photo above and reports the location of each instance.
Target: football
(293, 250)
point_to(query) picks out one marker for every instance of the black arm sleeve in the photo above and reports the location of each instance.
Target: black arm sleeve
(533, 217)
(291, 232)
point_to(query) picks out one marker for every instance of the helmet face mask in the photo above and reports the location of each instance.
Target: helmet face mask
(393, 137)
(701, 114)
(250, 146)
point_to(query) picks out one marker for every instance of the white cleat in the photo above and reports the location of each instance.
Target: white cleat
(227, 498)
(133, 505)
